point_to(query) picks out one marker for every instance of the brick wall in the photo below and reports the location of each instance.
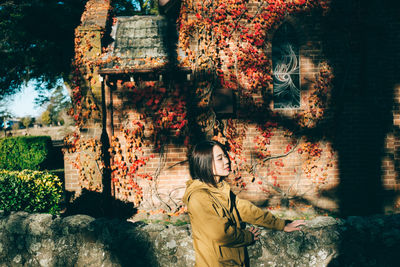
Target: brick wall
(93, 24)
(362, 144)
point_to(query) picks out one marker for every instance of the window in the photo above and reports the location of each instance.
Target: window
(286, 68)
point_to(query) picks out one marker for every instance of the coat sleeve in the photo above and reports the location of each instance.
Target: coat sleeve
(211, 221)
(254, 215)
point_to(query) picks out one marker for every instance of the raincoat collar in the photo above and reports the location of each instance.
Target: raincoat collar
(222, 188)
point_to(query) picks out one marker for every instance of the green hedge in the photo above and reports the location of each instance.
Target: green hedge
(31, 191)
(25, 152)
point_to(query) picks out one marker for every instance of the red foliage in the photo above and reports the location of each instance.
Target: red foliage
(231, 41)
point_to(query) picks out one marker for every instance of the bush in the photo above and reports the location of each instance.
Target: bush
(25, 152)
(31, 191)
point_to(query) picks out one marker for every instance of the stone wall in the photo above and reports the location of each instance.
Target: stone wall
(80, 240)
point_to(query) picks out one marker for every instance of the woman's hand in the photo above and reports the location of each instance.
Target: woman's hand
(255, 232)
(293, 226)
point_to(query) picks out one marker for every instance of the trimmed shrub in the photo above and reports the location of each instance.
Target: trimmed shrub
(25, 152)
(31, 191)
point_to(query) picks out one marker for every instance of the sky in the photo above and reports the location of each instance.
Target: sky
(22, 104)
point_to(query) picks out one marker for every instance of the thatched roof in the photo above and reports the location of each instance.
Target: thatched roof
(139, 42)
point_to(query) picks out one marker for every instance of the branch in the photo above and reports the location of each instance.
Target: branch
(240, 17)
(170, 193)
(294, 182)
(276, 188)
(283, 155)
(178, 163)
(157, 173)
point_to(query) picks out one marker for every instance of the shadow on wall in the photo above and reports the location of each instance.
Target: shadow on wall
(362, 44)
(97, 205)
(363, 47)
(170, 9)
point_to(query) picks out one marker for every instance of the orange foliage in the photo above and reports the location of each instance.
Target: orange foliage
(126, 164)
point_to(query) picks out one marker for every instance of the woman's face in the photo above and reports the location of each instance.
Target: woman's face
(220, 163)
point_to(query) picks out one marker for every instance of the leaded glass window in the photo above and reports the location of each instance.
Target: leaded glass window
(286, 68)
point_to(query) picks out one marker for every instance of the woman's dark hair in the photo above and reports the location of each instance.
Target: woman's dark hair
(201, 161)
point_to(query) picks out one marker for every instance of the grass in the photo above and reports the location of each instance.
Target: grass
(55, 132)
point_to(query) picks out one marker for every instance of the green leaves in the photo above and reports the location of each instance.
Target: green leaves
(31, 191)
(36, 41)
(25, 152)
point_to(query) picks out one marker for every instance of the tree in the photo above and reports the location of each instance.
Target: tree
(4, 112)
(36, 41)
(16, 125)
(37, 38)
(4, 115)
(57, 105)
(65, 119)
(45, 118)
(134, 7)
(27, 121)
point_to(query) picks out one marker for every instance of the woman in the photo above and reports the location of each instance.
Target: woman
(219, 239)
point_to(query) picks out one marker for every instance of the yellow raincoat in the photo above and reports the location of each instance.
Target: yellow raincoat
(216, 216)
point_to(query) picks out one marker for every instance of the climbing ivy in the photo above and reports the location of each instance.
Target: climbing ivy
(227, 41)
